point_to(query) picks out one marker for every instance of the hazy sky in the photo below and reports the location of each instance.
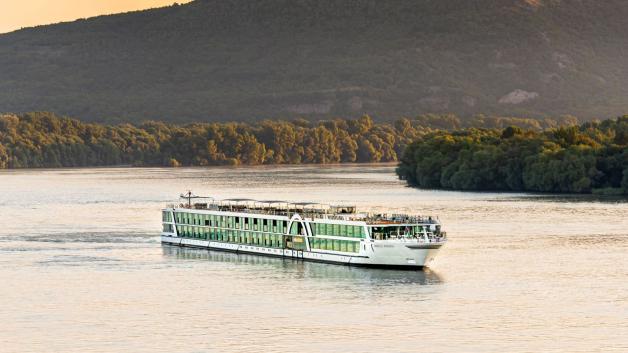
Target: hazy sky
(15, 14)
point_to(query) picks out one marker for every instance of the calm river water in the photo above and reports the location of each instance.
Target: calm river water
(82, 270)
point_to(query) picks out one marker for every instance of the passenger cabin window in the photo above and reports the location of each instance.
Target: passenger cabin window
(395, 232)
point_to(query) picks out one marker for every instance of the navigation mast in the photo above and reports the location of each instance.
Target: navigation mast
(189, 196)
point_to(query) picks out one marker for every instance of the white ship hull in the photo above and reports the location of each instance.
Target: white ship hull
(373, 253)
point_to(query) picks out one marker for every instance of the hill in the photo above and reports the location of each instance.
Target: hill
(238, 59)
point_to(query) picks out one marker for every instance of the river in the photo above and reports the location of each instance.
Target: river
(82, 269)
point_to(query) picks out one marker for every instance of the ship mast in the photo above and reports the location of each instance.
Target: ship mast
(189, 196)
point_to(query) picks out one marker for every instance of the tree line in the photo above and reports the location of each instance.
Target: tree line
(591, 157)
(44, 140)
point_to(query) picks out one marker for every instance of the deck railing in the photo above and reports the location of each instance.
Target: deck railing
(371, 218)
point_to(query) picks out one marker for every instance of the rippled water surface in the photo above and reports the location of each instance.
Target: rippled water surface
(82, 270)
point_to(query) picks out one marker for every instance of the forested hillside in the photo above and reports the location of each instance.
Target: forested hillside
(573, 159)
(36, 140)
(213, 60)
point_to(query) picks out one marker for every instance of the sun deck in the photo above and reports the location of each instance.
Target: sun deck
(310, 210)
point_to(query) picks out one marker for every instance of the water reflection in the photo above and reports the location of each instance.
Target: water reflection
(558, 198)
(309, 270)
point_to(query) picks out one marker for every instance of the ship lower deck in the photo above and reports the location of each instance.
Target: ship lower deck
(303, 255)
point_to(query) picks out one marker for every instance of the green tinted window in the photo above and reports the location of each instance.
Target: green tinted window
(293, 228)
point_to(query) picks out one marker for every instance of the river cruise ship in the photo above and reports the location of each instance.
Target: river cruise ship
(305, 231)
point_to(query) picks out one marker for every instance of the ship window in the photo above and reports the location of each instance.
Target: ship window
(383, 233)
(315, 243)
(296, 228)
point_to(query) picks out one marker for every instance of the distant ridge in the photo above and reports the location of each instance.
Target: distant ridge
(239, 59)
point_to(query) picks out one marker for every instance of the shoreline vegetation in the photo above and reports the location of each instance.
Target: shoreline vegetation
(589, 158)
(45, 140)
(435, 151)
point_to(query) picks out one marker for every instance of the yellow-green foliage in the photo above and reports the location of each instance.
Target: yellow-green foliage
(37, 140)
